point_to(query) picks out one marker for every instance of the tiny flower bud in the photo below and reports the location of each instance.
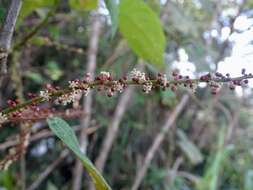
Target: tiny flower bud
(137, 76)
(231, 86)
(147, 87)
(3, 118)
(243, 71)
(110, 93)
(45, 95)
(173, 88)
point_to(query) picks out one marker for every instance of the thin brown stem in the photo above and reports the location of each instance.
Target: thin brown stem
(157, 142)
(7, 33)
(43, 134)
(48, 170)
(35, 30)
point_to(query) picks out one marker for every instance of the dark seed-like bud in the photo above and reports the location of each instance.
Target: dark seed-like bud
(243, 71)
(110, 78)
(214, 92)
(246, 81)
(174, 73)
(109, 93)
(231, 86)
(173, 88)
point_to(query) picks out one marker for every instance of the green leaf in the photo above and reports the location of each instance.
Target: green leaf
(248, 180)
(35, 77)
(38, 40)
(83, 4)
(112, 6)
(7, 180)
(53, 70)
(30, 5)
(154, 5)
(62, 130)
(143, 31)
(2, 13)
(212, 174)
(189, 148)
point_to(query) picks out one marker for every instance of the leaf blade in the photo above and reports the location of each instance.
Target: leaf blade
(31, 5)
(112, 6)
(64, 132)
(143, 31)
(83, 4)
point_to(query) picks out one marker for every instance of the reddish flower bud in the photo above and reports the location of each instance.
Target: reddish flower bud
(173, 88)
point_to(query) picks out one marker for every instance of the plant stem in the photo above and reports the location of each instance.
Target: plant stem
(34, 30)
(95, 83)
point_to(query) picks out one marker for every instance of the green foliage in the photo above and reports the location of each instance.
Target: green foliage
(37, 40)
(112, 6)
(189, 26)
(155, 6)
(168, 98)
(62, 130)
(51, 186)
(2, 13)
(156, 175)
(211, 177)
(30, 5)
(6, 179)
(182, 22)
(53, 70)
(143, 31)
(83, 4)
(189, 148)
(248, 182)
(34, 76)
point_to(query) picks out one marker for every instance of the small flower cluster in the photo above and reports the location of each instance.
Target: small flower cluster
(104, 76)
(137, 76)
(140, 78)
(118, 86)
(105, 82)
(77, 88)
(74, 84)
(147, 87)
(69, 97)
(14, 103)
(3, 118)
(45, 95)
(182, 80)
(162, 80)
(216, 86)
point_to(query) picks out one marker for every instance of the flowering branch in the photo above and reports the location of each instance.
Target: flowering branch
(104, 81)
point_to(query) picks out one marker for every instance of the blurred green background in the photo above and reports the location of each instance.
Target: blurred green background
(210, 144)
